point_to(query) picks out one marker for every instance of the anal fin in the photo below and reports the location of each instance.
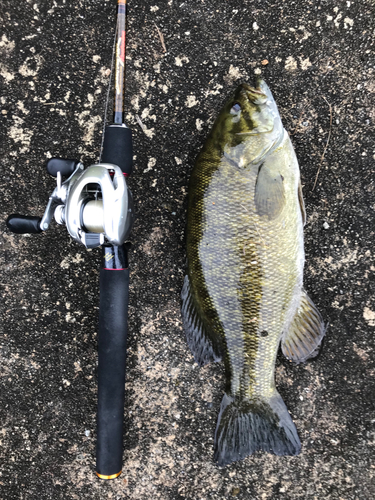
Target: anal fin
(302, 341)
(199, 338)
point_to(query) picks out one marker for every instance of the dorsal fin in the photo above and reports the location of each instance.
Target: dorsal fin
(301, 203)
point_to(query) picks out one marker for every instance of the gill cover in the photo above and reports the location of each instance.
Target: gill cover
(249, 126)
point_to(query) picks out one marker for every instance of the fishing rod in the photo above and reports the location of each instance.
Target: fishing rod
(96, 206)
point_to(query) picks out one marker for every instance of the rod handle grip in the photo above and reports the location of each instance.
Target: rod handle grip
(23, 224)
(118, 147)
(113, 312)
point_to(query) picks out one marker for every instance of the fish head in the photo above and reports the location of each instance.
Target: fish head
(249, 125)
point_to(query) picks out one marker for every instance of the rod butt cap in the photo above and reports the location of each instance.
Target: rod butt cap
(112, 476)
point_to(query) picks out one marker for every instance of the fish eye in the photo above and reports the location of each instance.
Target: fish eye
(235, 108)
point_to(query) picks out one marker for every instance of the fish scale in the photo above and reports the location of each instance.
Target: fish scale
(243, 292)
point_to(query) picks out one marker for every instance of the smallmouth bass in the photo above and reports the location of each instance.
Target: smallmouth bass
(243, 293)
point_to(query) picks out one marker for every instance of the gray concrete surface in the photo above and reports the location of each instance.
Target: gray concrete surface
(183, 60)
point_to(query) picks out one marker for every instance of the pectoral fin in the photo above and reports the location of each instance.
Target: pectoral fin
(302, 340)
(269, 193)
(200, 340)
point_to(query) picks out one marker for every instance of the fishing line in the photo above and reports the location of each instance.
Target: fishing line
(108, 92)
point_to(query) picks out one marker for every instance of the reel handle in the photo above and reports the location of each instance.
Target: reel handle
(113, 328)
(24, 224)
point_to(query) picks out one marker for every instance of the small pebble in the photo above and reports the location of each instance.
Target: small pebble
(264, 62)
(87, 433)
(326, 225)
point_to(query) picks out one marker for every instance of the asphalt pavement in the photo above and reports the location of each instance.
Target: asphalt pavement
(183, 61)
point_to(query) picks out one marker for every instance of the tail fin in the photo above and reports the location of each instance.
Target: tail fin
(245, 426)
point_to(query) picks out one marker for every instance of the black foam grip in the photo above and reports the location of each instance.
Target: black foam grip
(113, 312)
(23, 224)
(118, 147)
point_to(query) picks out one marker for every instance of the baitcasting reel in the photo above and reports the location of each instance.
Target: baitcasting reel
(94, 203)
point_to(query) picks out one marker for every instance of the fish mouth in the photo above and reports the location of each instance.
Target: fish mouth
(255, 94)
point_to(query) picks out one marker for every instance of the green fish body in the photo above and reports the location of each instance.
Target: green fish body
(243, 293)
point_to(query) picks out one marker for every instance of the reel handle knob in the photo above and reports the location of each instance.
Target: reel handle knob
(23, 224)
(65, 166)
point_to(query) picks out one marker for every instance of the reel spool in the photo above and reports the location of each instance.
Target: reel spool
(100, 215)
